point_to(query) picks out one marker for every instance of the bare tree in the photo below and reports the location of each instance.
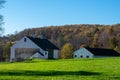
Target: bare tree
(1, 17)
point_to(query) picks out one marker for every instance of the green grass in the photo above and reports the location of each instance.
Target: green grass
(69, 69)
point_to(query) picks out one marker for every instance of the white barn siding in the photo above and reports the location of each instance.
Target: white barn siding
(37, 55)
(27, 44)
(23, 44)
(24, 56)
(46, 54)
(12, 53)
(83, 53)
(55, 54)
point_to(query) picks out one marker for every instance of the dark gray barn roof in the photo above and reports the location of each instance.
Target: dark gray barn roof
(103, 52)
(43, 43)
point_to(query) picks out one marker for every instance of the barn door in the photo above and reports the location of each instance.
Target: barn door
(50, 54)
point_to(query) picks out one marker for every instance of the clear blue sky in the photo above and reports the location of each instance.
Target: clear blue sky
(22, 14)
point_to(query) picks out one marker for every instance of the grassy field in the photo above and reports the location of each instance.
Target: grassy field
(72, 69)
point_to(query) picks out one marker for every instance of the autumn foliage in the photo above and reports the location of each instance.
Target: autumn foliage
(100, 36)
(67, 51)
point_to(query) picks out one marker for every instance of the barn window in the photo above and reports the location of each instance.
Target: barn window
(45, 53)
(12, 59)
(25, 40)
(75, 56)
(87, 56)
(81, 56)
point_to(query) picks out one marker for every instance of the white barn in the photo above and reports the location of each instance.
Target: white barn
(31, 47)
(95, 53)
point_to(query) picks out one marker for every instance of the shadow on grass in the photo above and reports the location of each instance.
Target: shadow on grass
(39, 60)
(47, 73)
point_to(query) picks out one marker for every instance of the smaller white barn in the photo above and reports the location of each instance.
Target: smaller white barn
(95, 53)
(83, 53)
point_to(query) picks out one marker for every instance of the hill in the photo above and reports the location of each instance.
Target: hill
(70, 69)
(98, 36)
(77, 35)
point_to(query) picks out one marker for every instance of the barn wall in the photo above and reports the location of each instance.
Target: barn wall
(27, 44)
(37, 55)
(55, 54)
(83, 53)
(23, 44)
(46, 54)
(24, 53)
(12, 54)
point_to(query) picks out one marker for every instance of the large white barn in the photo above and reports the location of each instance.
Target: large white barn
(31, 47)
(94, 53)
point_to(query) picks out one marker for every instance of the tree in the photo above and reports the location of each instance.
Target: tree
(1, 3)
(109, 30)
(1, 50)
(7, 50)
(95, 29)
(1, 17)
(67, 51)
(60, 39)
(117, 49)
(113, 42)
(95, 40)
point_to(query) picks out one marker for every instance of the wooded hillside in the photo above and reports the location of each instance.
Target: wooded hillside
(99, 36)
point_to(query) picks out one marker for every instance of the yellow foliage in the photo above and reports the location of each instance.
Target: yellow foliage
(67, 51)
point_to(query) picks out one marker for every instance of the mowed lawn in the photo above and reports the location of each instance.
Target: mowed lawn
(68, 69)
